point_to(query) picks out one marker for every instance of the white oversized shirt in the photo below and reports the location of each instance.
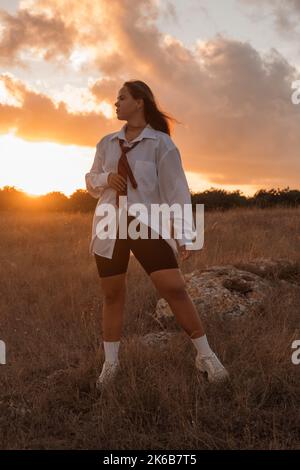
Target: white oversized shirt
(157, 168)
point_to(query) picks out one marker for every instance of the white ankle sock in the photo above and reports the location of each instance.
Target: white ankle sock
(202, 345)
(111, 350)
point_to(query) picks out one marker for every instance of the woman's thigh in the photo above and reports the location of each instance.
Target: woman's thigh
(118, 264)
(153, 254)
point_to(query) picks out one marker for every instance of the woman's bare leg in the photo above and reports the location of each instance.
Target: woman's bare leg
(114, 296)
(171, 285)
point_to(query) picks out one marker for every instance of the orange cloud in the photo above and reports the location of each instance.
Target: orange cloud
(37, 32)
(105, 89)
(38, 118)
(240, 126)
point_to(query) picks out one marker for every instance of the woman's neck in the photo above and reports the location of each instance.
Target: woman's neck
(130, 127)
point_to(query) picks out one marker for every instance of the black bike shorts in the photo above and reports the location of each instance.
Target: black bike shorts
(152, 254)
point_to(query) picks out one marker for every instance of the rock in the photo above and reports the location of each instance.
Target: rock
(161, 338)
(229, 291)
(280, 268)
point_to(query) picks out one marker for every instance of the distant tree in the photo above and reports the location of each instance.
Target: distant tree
(54, 201)
(272, 197)
(264, 198)
(81, 201)
(12, 199)
(289, 197)
(219, 199)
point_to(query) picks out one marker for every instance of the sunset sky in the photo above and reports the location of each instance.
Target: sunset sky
(224, 69)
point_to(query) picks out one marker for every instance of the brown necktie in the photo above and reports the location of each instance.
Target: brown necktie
(124, 168)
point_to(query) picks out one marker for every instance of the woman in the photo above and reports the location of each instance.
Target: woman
(142, 164)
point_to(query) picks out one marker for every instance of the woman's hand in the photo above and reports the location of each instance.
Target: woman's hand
(116, 181)
(184, 253)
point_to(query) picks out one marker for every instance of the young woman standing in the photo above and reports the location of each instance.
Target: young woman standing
(142, 163)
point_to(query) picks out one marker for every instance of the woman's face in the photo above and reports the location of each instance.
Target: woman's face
(126, 105)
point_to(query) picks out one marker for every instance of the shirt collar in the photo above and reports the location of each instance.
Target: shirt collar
(148, 132)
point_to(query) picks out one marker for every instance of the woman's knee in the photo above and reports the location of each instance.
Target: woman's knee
(175, 293)
(173, 290)
(114, 289)
(170, 283)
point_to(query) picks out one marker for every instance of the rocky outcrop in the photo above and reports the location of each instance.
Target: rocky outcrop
(162, 338)
(234, 290)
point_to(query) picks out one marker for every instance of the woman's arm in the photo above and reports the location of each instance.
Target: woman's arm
(173, 187)
(96, 179)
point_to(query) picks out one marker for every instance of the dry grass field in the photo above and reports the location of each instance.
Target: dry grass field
(50, 320)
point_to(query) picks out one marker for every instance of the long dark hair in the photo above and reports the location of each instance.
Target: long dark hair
(158, 119)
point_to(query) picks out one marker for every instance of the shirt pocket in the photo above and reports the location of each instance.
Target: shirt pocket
(145, 175)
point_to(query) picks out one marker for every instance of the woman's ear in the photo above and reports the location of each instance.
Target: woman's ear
(140, 102)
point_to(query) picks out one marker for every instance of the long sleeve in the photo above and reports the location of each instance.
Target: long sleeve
(173, 187)
(96, 179)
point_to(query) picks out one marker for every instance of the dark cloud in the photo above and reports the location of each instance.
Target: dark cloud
(168, 11)
(286, 14)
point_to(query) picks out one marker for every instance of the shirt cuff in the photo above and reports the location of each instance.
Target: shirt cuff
(185, 241)
(96, 183)
(97, 180)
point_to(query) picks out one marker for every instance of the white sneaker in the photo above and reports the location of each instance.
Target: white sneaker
(216, 372)
(108, 372)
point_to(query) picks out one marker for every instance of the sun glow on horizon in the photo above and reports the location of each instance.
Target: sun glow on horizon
(42, 167)
(197, 183)
(38, 168)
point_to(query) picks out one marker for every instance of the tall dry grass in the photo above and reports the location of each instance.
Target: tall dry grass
(51, 323)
